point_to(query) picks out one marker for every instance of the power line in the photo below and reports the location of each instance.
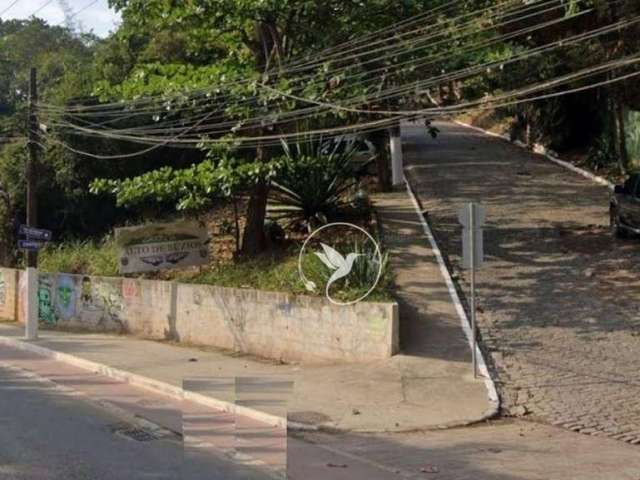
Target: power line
(301, 114)
(86, 7)
(78, 12)
(384, 71)
(370, 52)
(9, 7)
(508, 99)
(49, 2)
(386, 94)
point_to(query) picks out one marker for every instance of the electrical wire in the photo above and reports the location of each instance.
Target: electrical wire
(397, 92)
(385, 123)
(381, 123)
(9, 7)
(157, 126)
(38, 10)
(147, 99)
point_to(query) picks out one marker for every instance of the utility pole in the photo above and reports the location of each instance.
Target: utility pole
(32, 164)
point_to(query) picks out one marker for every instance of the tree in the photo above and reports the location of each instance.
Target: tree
(63, 61)
(251, 39)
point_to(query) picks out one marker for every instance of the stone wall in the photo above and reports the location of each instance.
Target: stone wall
(271, 325)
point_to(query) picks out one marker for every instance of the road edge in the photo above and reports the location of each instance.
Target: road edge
(155, 386)
(492, 392)
(540, 149)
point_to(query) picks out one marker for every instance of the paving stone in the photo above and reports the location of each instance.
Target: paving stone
(566, 343)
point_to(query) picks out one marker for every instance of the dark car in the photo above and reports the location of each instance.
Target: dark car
(625, 207)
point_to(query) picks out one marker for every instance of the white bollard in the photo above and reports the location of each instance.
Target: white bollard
(31, 304)
(397, 162)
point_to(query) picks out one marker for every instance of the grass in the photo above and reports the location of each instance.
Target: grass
(275, 272)
(279, 273)
(88, 258)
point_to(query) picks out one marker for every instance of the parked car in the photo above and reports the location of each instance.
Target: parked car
(625, 207)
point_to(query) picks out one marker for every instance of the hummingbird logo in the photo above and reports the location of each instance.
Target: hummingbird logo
(335, 261)
(338, 264)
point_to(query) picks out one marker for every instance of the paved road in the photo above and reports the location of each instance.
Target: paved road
(505, 450)
(57, 421)
(558, 297)
(50, 432)
(53, 433)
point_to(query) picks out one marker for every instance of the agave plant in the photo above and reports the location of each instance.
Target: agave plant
(312, 183)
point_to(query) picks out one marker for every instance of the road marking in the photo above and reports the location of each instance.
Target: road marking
(492, 392)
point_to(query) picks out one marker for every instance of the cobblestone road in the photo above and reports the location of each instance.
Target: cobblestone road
(559, 302)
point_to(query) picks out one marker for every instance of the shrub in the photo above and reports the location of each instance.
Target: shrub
(312, 183)
(88, 258)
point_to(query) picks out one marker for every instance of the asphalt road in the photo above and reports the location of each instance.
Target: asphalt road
(48, 433)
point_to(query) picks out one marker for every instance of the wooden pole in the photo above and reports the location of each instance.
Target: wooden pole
(32, 164)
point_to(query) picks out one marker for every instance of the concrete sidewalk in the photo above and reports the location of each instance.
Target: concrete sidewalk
(429, 386)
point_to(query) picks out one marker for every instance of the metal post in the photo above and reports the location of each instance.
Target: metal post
(472, 228)
(31, 304)
(32, 162)
(397, 162)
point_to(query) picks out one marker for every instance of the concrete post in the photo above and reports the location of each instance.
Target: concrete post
(397, 162)
(31, 304)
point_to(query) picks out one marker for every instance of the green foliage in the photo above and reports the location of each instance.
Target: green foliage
(192, 189)
(277, 272)
(311, 184)
(361, 278)
(82, 257)
(602, 153)
(633, 137)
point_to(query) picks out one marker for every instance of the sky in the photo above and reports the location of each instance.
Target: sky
(98, 17)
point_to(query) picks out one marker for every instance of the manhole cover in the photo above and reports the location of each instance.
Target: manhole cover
(133, 433)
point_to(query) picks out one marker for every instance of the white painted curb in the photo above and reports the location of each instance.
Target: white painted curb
(492, 392)
(545, 152)
(155, 386)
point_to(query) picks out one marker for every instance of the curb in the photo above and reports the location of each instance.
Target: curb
(155, 386)
(494, 398)
(166, 389)
(545, 152)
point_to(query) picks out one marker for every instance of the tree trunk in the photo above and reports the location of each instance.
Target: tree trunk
(381, 142)
(623, 154)
(254, 240)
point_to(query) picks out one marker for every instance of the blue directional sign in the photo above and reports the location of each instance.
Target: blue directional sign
(35, 233)
(31, 245)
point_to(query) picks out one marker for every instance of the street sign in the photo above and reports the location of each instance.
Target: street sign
(31, 245)
(35, 233)
(162, 246)
(479, 215)
(475, 242)
(473, 217)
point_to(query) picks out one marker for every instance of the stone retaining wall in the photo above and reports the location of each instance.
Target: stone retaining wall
(271, 325)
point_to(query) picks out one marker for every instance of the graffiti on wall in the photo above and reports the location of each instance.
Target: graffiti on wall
(130, 291)
(66, 297)
(46, 312)
(109, 298)
(71, 299)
